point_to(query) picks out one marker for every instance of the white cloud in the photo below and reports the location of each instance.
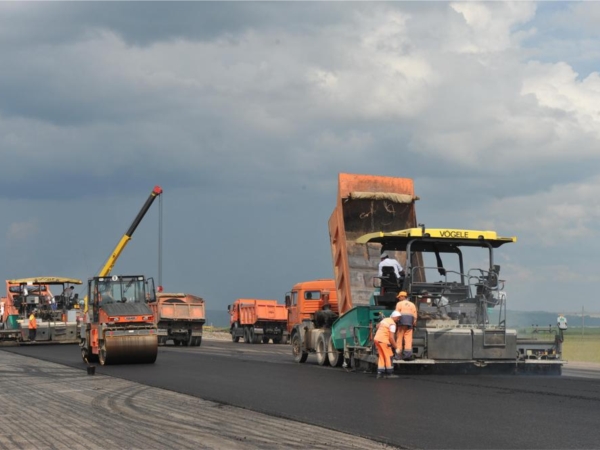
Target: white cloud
(562, 214)
(556, 86)
(489, 25)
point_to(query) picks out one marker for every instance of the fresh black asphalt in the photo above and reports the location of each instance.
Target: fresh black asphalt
(414, 411)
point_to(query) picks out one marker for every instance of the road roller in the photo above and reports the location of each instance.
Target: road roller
(118, 327)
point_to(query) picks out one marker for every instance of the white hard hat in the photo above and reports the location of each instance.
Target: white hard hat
(396, 314)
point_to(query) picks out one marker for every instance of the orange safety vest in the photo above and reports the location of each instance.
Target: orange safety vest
(407, 308)
(383, 330)
(32, 322)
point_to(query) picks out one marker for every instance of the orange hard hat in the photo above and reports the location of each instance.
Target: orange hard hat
(402, 294)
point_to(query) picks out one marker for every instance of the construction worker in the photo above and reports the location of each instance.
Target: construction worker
(408, 321)
(385, 341)
(32, 326)
(561, 322)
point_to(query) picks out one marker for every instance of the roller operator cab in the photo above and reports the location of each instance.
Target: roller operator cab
(119, 326)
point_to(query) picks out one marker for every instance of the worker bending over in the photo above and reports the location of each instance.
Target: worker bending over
(408, 321)
(385, 341)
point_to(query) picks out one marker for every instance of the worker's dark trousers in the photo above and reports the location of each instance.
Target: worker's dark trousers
(32, 333)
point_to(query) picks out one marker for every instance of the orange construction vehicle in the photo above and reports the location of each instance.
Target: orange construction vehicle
(258, 321)
(314, 305)
(56, 312)
(120, 327)
(180, 318)
(365, 204)
(450, 275)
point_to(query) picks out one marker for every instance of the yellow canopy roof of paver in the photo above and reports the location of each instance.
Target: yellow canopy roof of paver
(449, 234)
(46, 280)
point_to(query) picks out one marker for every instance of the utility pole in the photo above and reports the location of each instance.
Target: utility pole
(582, 322)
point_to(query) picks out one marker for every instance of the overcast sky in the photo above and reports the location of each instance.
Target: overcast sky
(246, 112)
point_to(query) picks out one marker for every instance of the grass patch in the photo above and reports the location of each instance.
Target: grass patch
(581, 348)
(576, 346)
(212, 329)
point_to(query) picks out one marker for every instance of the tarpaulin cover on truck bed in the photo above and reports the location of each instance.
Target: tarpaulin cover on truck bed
(391, 196)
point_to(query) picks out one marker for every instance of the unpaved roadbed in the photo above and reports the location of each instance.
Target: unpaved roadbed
(50, 406)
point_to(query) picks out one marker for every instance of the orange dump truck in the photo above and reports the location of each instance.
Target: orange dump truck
(258, 320)
(180, 318)
(365, 204)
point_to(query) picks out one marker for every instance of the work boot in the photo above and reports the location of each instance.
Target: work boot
(379, 375)
(392, 375)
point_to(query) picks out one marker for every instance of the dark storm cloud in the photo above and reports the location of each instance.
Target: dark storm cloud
(245, 112)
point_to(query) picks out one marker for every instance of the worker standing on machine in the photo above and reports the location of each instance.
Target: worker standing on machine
(385, 341)
(408, 321)
(32, 326)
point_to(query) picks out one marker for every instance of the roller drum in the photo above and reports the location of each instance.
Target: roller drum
(129, 350)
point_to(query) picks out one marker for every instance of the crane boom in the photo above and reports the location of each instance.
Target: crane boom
(112, 259)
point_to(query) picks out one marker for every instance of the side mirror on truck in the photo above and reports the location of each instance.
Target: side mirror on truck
(228, 307)
(288, 301)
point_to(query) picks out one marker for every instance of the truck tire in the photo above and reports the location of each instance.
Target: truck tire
(235, 338)
(321, 350)
(191, 342)
(300, 355)
(277, 340)
(198, 342)
(265, 340)
(255, 338)
(336, 358)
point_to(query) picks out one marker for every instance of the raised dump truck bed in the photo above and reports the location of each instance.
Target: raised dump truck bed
(366, 203)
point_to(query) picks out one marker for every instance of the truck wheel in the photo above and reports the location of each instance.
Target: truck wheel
(321, 350)
(176, 342)
(191, 342)
(198, 341)
(265, 340)
(336, 358)
(277, 340)
(234, 338)
(300, 356)
(254, 337)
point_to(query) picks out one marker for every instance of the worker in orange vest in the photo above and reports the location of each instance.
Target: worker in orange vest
(408, 321)
(32, 326)
(385, 341)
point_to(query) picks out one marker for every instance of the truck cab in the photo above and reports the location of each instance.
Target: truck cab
(308, 297)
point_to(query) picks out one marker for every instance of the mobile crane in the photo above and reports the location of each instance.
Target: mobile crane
(121, 328)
